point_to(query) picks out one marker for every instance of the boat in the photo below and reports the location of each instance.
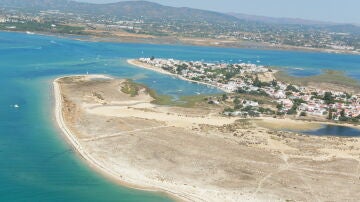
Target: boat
(30, 33)
(16, 106)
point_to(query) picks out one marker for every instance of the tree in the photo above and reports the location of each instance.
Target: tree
(347, 95)
(236, 101)
(152, 58)
(228, 109)
(291, 111)
(303, 114)
(291, 88)
(257, 82)
(342, 113)
(238, 106)
(328, 98)
(274, 83)
(330, 116)
(224, 97)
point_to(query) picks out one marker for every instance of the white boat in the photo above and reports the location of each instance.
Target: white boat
(30, 33)
(16, 106)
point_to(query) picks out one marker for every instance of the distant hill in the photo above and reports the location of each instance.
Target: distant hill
(273, 20)
(159, 13)
(131, 9)
(328, 26)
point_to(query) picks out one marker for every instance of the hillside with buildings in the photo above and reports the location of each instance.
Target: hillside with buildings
(179, 25)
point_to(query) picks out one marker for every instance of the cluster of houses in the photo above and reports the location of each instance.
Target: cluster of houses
(210, 73)
(243, 78)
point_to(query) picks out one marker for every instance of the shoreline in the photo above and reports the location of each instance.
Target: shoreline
(96, 165)
(161, 71)
(135, 40)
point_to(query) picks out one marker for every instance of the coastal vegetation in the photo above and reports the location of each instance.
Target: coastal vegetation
(183, 101)
(327, 76)
(132, 88)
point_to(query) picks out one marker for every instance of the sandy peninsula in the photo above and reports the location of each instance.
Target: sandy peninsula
(195, 154)
(159, 70)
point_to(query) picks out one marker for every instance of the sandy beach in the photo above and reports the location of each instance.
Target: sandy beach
(88, 157)
(109, 171)
(194, 154)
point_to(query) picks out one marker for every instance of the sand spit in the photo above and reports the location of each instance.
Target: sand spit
(159, 70)
(198, 155)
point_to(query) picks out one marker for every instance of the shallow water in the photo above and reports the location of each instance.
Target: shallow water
(36, 163)
(334, 130)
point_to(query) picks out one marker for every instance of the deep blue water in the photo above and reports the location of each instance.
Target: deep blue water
(37, 164)
(334, 130)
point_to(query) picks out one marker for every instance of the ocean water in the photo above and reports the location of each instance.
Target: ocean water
(37, 164)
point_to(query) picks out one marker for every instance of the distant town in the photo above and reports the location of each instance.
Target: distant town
(258, 81)
(223, 32)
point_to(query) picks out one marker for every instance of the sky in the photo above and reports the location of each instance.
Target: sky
(343, 11)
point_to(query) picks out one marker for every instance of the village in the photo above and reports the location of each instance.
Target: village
(259, 81)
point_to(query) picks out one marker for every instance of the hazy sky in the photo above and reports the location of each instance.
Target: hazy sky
(324, 10)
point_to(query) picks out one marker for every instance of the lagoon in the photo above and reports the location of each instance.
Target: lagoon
(334, 130)
(38, 164)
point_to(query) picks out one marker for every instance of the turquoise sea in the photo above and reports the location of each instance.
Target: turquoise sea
(37, 164)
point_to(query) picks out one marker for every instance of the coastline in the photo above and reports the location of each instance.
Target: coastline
(97, 166)
(185, 42)
(161, 71)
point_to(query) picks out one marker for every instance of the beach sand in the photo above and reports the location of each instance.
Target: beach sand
(195, 154)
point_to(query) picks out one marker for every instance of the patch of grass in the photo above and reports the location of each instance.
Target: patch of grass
(160, 99)
(328, 76)
(183, 101)
(131, 88)
(98, 95)
(261, 99)
(191, 101)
